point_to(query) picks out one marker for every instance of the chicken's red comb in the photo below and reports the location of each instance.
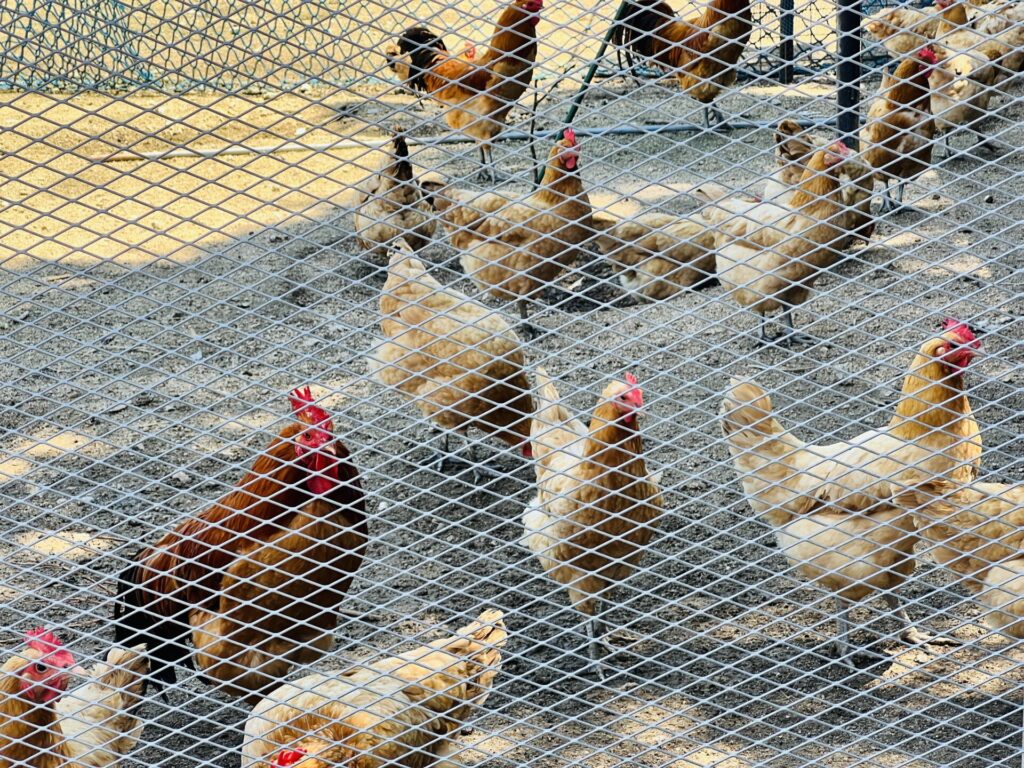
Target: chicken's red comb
(288, 757)
(928, 55)
(43, 640)
(839, 147)
(569, 135)
(635, 395)
(961, 329)
(302, 405)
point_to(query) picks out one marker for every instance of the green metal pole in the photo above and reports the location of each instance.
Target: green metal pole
(577, 101)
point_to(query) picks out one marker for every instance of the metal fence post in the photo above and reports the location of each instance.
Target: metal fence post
(849, 70)
(787, 49)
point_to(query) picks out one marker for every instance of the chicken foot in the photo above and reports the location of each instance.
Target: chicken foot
(786, 339)
(910, 634)
(530, 331)
(713, 117)
(488, 172)
(446, 459)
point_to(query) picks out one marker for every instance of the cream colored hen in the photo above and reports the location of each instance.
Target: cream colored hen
(397, 711)
(977, 532)
(832, 505)
(459, 361)
(42, 725)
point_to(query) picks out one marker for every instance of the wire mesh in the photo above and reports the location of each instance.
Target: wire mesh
(209, 208)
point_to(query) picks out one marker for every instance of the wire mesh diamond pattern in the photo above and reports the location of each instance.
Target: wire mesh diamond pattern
(514, 383)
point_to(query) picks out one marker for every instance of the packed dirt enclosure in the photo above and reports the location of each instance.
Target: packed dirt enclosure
(156, 310)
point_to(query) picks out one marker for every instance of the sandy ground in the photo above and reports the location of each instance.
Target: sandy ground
(155, 313)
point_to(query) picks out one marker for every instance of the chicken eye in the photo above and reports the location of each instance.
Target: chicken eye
(957, 72)
(39, 667)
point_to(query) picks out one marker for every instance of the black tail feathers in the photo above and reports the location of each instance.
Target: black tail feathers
(422, 46)
(166, 637)
(640, 23)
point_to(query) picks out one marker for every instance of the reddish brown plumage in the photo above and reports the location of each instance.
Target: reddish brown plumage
(702, 50)
(217, 578)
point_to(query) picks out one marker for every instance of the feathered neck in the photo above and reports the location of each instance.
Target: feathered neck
(558, 184)
(816, 187)
(515, 30)
(26, 729)
(613, 447)
(932, 399)
(909, 85)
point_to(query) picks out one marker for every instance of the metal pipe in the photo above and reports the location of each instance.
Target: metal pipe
(451, 138)
(581, 92)
(787, 47)
(849, 74)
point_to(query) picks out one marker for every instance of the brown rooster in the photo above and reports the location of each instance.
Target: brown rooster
(397, 711)
(43, 725)
(591, 518)
(479, 90)
(899, 131)
(702, 50)
(255, 580)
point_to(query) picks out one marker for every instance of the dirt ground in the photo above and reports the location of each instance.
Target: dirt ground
(155, 313)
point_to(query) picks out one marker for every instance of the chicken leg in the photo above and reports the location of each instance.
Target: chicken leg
(713, 117)
(488, 172)
(911, 634)
(530, 331)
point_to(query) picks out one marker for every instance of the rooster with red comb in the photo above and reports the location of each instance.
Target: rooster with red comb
(254, 583)
(591, 519)
(514, 248)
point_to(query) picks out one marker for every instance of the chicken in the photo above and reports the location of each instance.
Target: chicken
(902, 30)
(42, 725)
(1005, 23)
(899, 130)
(254, 581)
(398, 711)
(964, 82)
(477, 90)
(590, 520)
(702, 51)
(832, 505)
(794, 148)
(977, 532)
(392, 205)
(513, 248)
(459, 361)
(658, 255)
(769, 256)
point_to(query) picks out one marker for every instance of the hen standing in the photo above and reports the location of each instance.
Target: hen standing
(899, 131)
(591, 518)
(459, 361)
(832, 505)
(513, 247)
(393, 205)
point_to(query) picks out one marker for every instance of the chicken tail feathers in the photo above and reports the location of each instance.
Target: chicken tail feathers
(928, 498)
(135, 622)
(422, 46)
(747, 415)
(402, 170)
(640, 23)
(125, 670)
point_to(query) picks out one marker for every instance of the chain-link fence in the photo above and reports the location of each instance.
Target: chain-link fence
(424, 358)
